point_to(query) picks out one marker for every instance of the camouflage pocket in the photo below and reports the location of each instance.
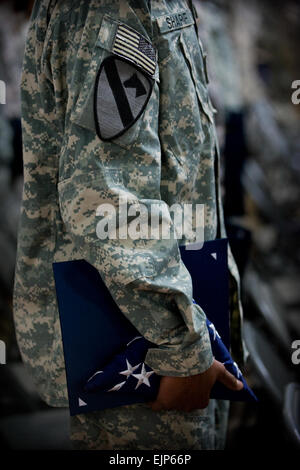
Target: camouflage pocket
(197, 64)
(181, 118)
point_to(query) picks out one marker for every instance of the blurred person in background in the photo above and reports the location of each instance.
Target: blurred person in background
(13, 29)
(225, 86)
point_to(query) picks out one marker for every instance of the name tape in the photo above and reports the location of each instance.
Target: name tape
(174, 21)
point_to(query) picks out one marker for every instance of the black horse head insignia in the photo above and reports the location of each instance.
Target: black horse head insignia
(121, 95)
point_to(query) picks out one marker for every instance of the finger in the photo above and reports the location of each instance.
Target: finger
(229, 380)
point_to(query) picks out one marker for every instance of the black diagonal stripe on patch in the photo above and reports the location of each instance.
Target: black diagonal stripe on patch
(119, 93)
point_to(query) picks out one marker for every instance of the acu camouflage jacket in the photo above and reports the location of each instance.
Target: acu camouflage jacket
(168, 155)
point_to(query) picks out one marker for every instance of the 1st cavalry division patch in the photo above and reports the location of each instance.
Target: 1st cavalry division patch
(124, 83)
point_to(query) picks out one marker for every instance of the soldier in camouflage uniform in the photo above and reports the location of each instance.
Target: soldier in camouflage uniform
(75, 160)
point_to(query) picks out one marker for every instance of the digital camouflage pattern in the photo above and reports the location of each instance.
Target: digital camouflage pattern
(170, 155)
(139, 428)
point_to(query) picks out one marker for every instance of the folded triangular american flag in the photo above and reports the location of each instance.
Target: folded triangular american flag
(128, 372)
(105, 354)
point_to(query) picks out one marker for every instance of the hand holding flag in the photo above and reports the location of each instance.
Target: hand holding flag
(127, 372)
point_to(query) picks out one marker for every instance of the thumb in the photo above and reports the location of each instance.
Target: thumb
(229, 380)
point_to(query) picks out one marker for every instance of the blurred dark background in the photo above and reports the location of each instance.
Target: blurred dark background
(253, 59)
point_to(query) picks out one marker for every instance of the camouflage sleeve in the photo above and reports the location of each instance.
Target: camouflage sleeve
(145, 276)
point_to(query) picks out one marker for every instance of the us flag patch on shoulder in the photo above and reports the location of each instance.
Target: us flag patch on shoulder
(134, 47)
